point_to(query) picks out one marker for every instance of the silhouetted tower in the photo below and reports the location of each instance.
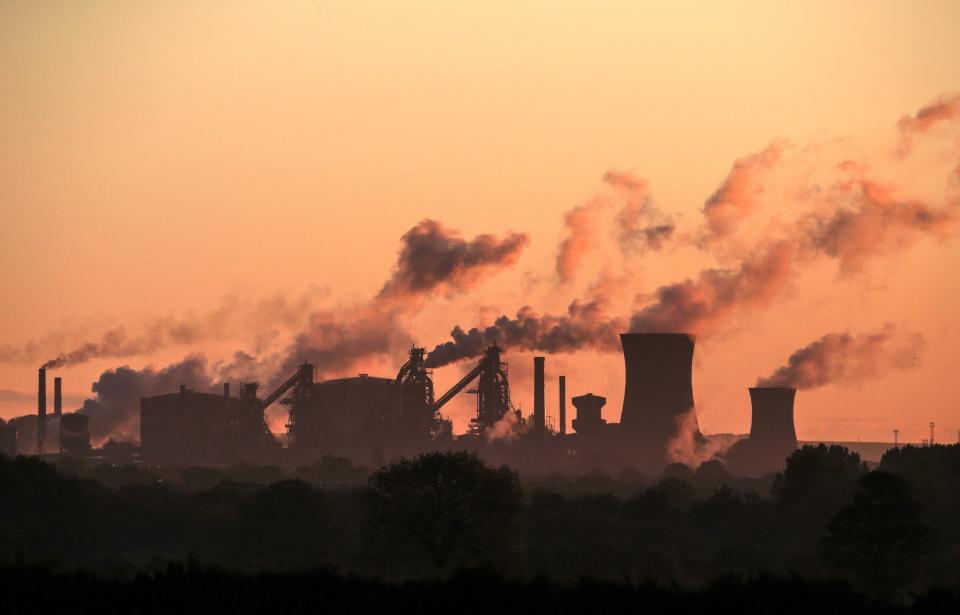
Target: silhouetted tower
(539, 407)
(57, 397)
(896, 437)
(493, 392)
(419, 419)
(41, 410)
(658, 393)
(589, 413)
(932, 425)
(563, 405)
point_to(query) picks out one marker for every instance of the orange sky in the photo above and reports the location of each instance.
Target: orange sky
(156, 158)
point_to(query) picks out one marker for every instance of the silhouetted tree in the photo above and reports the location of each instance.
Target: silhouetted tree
(818, 474)
(445, 508)
(881, 537)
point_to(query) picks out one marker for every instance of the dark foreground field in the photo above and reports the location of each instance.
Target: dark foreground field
(192, 588)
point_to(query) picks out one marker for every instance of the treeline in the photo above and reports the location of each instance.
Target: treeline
(889, 532)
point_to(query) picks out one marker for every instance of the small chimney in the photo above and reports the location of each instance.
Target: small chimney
(41, 410)
(539, 410)
(57, 398)
(226, 390)
(563, 405)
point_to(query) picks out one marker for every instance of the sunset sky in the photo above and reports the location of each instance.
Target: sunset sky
(250, 169)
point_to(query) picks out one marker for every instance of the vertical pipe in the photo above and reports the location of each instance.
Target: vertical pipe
(563, 405)
(41, 410)
(539, 418)
(226, 390)
(57, 398)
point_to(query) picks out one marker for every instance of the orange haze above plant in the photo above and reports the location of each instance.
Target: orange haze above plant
(266, 184)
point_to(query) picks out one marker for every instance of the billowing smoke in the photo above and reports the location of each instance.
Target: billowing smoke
(843, 358)
(581, 224)
(115, 411)
(688, 446)
(640, 226)
(435, 259)
(871, 219)
(338, 342)
(736, 198)
(234, 318)
(700, 305)
(946, 109)
(584, 326)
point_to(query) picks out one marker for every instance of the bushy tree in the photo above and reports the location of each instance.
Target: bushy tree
(445, 508)
(881, 538)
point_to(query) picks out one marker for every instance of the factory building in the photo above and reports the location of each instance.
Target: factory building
(8, 438)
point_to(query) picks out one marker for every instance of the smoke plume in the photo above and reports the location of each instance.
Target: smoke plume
(581, 236)
(946, 109)
(640, 225)
(842, 358)
(585, 325)
(115, 411)
(700, 305)
(436, 259)
(234, 318)
(736, 198)
(871, 219)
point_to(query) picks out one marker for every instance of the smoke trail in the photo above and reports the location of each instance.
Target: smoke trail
(581, 237)
(737, 196)
(700, 305)
(435, 259)
(585, 325)
(842, 358)
(946, 109)
(641, 227)
(872, 220)
(232, 319)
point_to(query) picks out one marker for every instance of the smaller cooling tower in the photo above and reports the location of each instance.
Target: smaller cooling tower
(772, 434)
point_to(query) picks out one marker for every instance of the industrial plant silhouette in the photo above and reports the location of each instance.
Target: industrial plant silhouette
(371, 419)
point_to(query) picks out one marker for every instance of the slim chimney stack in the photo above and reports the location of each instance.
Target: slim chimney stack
(41, 410)
(563, 405)
(57, 398)
(539, 410)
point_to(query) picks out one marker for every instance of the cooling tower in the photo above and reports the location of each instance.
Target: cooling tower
(658, 391)
(772, 434)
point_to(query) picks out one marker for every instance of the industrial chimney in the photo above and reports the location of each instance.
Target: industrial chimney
(57, 398)
(539, 409)
(658, 391)
(563, 405)
(41, 410)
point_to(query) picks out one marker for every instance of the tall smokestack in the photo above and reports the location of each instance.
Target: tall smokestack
(539, 410)
(658, 392)
(41, 410)
(563, 405)
(57, 398)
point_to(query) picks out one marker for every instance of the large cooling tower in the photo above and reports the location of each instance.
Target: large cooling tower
(659, 388)
(772, 435)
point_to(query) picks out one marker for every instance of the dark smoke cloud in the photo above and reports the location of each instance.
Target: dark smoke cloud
(584, 326)
(946, 109)
(736, 198)
(700, 305)
(115, 411)
(436, 259)
(842, 358)
(640, 226)
(872, 219)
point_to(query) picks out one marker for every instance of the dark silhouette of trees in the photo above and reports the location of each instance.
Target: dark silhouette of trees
(818, 475)
(445, 508)
(881, 538)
